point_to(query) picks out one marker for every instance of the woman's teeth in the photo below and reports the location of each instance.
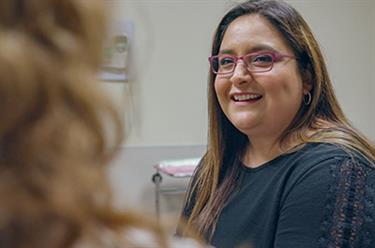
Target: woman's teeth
(246, 97)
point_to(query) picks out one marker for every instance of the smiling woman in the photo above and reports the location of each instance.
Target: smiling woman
(259, 98)
(284, 167)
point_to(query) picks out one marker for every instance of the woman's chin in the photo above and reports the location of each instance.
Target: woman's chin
(245, 127)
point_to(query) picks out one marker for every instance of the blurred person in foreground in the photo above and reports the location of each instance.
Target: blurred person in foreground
(55, 132)
(284, 167)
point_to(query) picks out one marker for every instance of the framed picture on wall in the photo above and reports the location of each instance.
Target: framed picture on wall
(116, 52)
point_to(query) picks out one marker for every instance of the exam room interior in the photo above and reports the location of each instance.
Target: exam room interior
(164, 101)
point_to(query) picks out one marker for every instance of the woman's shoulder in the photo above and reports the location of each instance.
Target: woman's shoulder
(329, 164)
(336, 186)
(317, 153)
(347, 186)
(321, 150)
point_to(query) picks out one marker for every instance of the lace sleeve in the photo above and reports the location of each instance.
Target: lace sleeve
(348, 220)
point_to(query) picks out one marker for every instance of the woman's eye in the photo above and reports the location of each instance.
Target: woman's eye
(262, 59)
(226, 61)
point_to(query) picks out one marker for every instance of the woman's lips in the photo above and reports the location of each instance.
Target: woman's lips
(246, 97)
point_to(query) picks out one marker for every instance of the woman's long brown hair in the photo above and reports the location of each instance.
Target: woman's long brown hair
(57, 130)
(216, 176)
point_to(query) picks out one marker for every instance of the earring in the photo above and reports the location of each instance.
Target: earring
(307, 98)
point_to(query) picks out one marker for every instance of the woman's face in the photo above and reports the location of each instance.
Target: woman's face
(261, 104)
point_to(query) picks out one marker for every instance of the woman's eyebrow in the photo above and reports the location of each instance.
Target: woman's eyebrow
(226, 51)
(257, 48)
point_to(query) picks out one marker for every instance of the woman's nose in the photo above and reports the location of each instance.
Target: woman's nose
(241, 74)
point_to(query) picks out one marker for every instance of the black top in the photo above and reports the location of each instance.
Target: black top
(318, 196)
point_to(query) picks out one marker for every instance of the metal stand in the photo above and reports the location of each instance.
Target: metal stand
(183, 168)
(157, 179)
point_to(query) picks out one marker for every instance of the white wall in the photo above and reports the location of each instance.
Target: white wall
(172, 42)
(171, 46)
(345, 31)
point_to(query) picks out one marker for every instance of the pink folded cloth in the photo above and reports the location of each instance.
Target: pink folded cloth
(178, 168)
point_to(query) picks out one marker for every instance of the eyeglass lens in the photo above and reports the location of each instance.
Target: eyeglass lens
(254, 62)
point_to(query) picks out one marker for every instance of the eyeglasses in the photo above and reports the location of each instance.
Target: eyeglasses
(224, 64)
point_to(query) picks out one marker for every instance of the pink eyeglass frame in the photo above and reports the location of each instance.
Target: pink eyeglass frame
(276, 56)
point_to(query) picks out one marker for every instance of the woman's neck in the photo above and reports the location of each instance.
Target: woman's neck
(260, 151)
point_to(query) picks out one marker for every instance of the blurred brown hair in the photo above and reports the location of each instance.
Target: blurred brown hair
(57, 131)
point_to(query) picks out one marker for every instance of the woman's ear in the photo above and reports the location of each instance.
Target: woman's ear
(307, 81)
